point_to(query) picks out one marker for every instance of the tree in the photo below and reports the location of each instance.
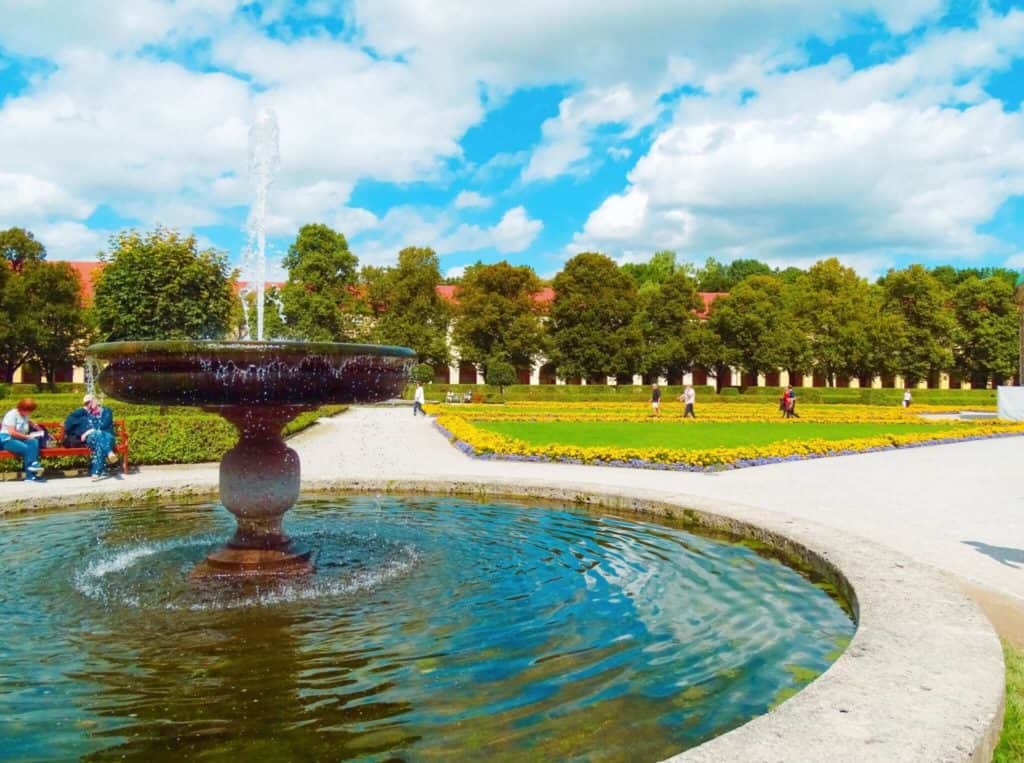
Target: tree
(410, 311)
(667, 319)
(655, 271)
(321, 303)
(830, 305)
(752, 322)
(422, 373)
(500, 374)
(923, 303)
(985, 337)
(19, 247)
(15, 341)
(717, 276)
(56, 323)
(161, 286)
(592, 325)
(498, 317)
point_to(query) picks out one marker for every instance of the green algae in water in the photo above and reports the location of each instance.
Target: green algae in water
(433, 629)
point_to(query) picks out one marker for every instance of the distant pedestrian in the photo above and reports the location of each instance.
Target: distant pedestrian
(655, 400)
(689, 399)
(418, 400)
(789, 404)
(907, 398)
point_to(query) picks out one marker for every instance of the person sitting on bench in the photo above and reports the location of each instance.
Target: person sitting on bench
(20, 436)
(92, 425)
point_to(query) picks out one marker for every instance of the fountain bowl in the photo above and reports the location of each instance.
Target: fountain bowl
(259, 387)
(216, 374)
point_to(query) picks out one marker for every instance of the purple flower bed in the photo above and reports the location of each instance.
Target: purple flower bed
(639, 463)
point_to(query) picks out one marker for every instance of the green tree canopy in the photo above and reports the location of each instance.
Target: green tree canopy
(500, 374)
(923, 303)
(410, 311)
(717, 276)
(831, 306)
(592, 327)
(497, 317)
(56, 324)
(985, 337)
(15, 341)
(754, 323)
(667, 319)
(159, 285)
(320, 299)
(655, 271)
(18, 247)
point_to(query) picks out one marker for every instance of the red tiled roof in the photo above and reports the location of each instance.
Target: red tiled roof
(87, 272)
(709, 298)
(449, 292)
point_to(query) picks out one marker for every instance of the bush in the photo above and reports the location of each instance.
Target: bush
(422, 373)
(190, 437)
(500, 374)
(729, 391)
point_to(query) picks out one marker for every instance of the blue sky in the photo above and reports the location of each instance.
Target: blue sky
(878, 132)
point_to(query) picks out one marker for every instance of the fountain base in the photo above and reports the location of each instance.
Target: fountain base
(289, 560)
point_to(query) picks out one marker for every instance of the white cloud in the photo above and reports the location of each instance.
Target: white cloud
(24, 197)
(1015, 261)
(71, 240)
(830, 161)
(619, 153)
(513, 233)
(456, 272)
(471, 200)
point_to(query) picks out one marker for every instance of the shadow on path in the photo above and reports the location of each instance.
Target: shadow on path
(1011, 557)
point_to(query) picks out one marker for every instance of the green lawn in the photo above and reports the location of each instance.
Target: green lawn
(1011, 744)
(689, 435)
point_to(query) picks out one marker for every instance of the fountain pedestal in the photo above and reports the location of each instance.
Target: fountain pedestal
(259, 483)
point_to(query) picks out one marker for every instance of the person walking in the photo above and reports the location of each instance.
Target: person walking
(20, 436)
(418, 400)
(789, 404)
(689, 398)
(92, 425)
(907, 398)
(655, 400)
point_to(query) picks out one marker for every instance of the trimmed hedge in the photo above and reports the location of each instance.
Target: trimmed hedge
(638, 393)
(190, 437)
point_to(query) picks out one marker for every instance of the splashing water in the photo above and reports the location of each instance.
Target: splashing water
(264, 160)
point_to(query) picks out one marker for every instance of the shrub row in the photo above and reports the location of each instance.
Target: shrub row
(31, 390)
(483, 393)
(179, 439)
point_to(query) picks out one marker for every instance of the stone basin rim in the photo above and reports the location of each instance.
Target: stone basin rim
(894, 695)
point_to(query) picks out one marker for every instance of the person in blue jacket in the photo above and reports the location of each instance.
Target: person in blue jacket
(91, 425)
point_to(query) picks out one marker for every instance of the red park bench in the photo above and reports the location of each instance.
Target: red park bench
(56, 430)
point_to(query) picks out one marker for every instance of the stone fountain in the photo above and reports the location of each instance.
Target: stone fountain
(259, 387)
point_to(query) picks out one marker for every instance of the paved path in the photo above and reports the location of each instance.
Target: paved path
(958, 507)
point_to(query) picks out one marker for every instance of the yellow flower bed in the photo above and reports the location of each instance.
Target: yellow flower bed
(717, 412)
(460, 428)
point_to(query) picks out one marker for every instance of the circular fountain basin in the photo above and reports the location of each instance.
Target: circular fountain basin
(431, 628)
(213, 374)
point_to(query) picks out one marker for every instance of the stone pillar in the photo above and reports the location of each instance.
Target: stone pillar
(453, 374)
(854, 383)
(583, 382)
(762, 381)
(783, 378)
(808, 380)
(535, 374)
(662, 381)
(638, 380)
(78, 375)
(943, 381)
(559, 381)
(479, 376)
(611, 381)
(688, 379)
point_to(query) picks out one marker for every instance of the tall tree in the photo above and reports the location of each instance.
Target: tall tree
(498, 316)
(56, 323)
(985, 338)
(321, 302)
(717, 276)
(923, 303)
(830, 305)
(593, 330)
(753, 322)
(655, 271)
(159, 285)
(19, 247)
(411, 312)
(667, 318)
(15, 340)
